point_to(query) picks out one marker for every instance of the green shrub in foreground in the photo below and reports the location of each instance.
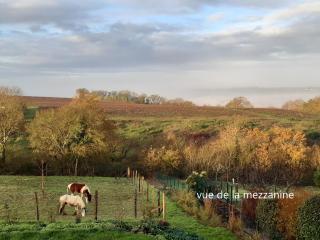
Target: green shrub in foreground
(309, 220)
(316, 178)
(266, 217)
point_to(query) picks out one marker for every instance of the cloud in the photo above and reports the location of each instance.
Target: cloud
(64, 14)
(73, 14)
(279, 45)
(128, 45)
(215, 17)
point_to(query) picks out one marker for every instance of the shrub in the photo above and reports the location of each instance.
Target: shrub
(309, 220)
(207, 215)
(316, 178)
(187, 201)
(266, 214)
(162, 228)
(287, 214)
(235, 223)
(248, 211)
(198, 182)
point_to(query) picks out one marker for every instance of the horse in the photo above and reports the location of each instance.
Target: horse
(81, 188)
(73, 201)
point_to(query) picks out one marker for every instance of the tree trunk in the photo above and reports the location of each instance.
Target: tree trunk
(76, 167)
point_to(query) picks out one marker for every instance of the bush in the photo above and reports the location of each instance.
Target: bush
(162, 228)
(288, 213)
(266, 214)
(235, 224)
(316, 178)
(309, 220)
(187, 201)
(248, 211)
(207, 215)
(198, 182)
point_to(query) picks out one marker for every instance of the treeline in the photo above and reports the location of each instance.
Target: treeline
(131, 97)
(251, 155)
(311, 106)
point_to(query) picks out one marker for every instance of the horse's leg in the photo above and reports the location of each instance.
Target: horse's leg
(61, 209)
(76, 211)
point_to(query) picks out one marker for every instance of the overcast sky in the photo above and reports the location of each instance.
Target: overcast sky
(175, 48)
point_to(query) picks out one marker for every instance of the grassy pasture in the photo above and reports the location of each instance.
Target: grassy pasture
(115, 203)
(17, 200)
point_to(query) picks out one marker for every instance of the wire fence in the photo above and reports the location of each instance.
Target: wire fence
(132, 199)
(232, 189)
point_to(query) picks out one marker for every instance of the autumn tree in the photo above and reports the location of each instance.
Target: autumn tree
(295, 105)
(11, 117)
(165, 159)
(312, 106)
(254, 157)
(71, 133)
(288, 149)
(278, 156)
(239, 102)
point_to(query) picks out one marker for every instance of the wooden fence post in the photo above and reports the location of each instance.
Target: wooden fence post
(135, 203)
(133, 176)
(136, 176)
(139, 183)
(147, 193)
(96, 206)
(231, 193)
(163, 206)
(37, 206)
(142, 184)
(159, 209)
(128, 172)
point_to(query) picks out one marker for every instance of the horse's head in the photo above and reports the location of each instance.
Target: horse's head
(83, 212)
(87, 195)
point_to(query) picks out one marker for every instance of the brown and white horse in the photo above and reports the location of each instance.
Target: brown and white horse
(73, 201)
(80, 188)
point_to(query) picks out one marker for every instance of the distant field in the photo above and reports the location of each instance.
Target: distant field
(165, 110)
(142, 121)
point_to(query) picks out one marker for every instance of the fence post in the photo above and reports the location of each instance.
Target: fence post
(142, 184)
(96, 206)
(231, 193)
(159, 210)
(128, 172)
(139, 183)
(228, 192)
(135, 203)
(135, 180)
(147, 192)
(37, 206)
(163, 206)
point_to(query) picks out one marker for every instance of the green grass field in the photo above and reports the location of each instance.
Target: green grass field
(115, 202)
(115, 198)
